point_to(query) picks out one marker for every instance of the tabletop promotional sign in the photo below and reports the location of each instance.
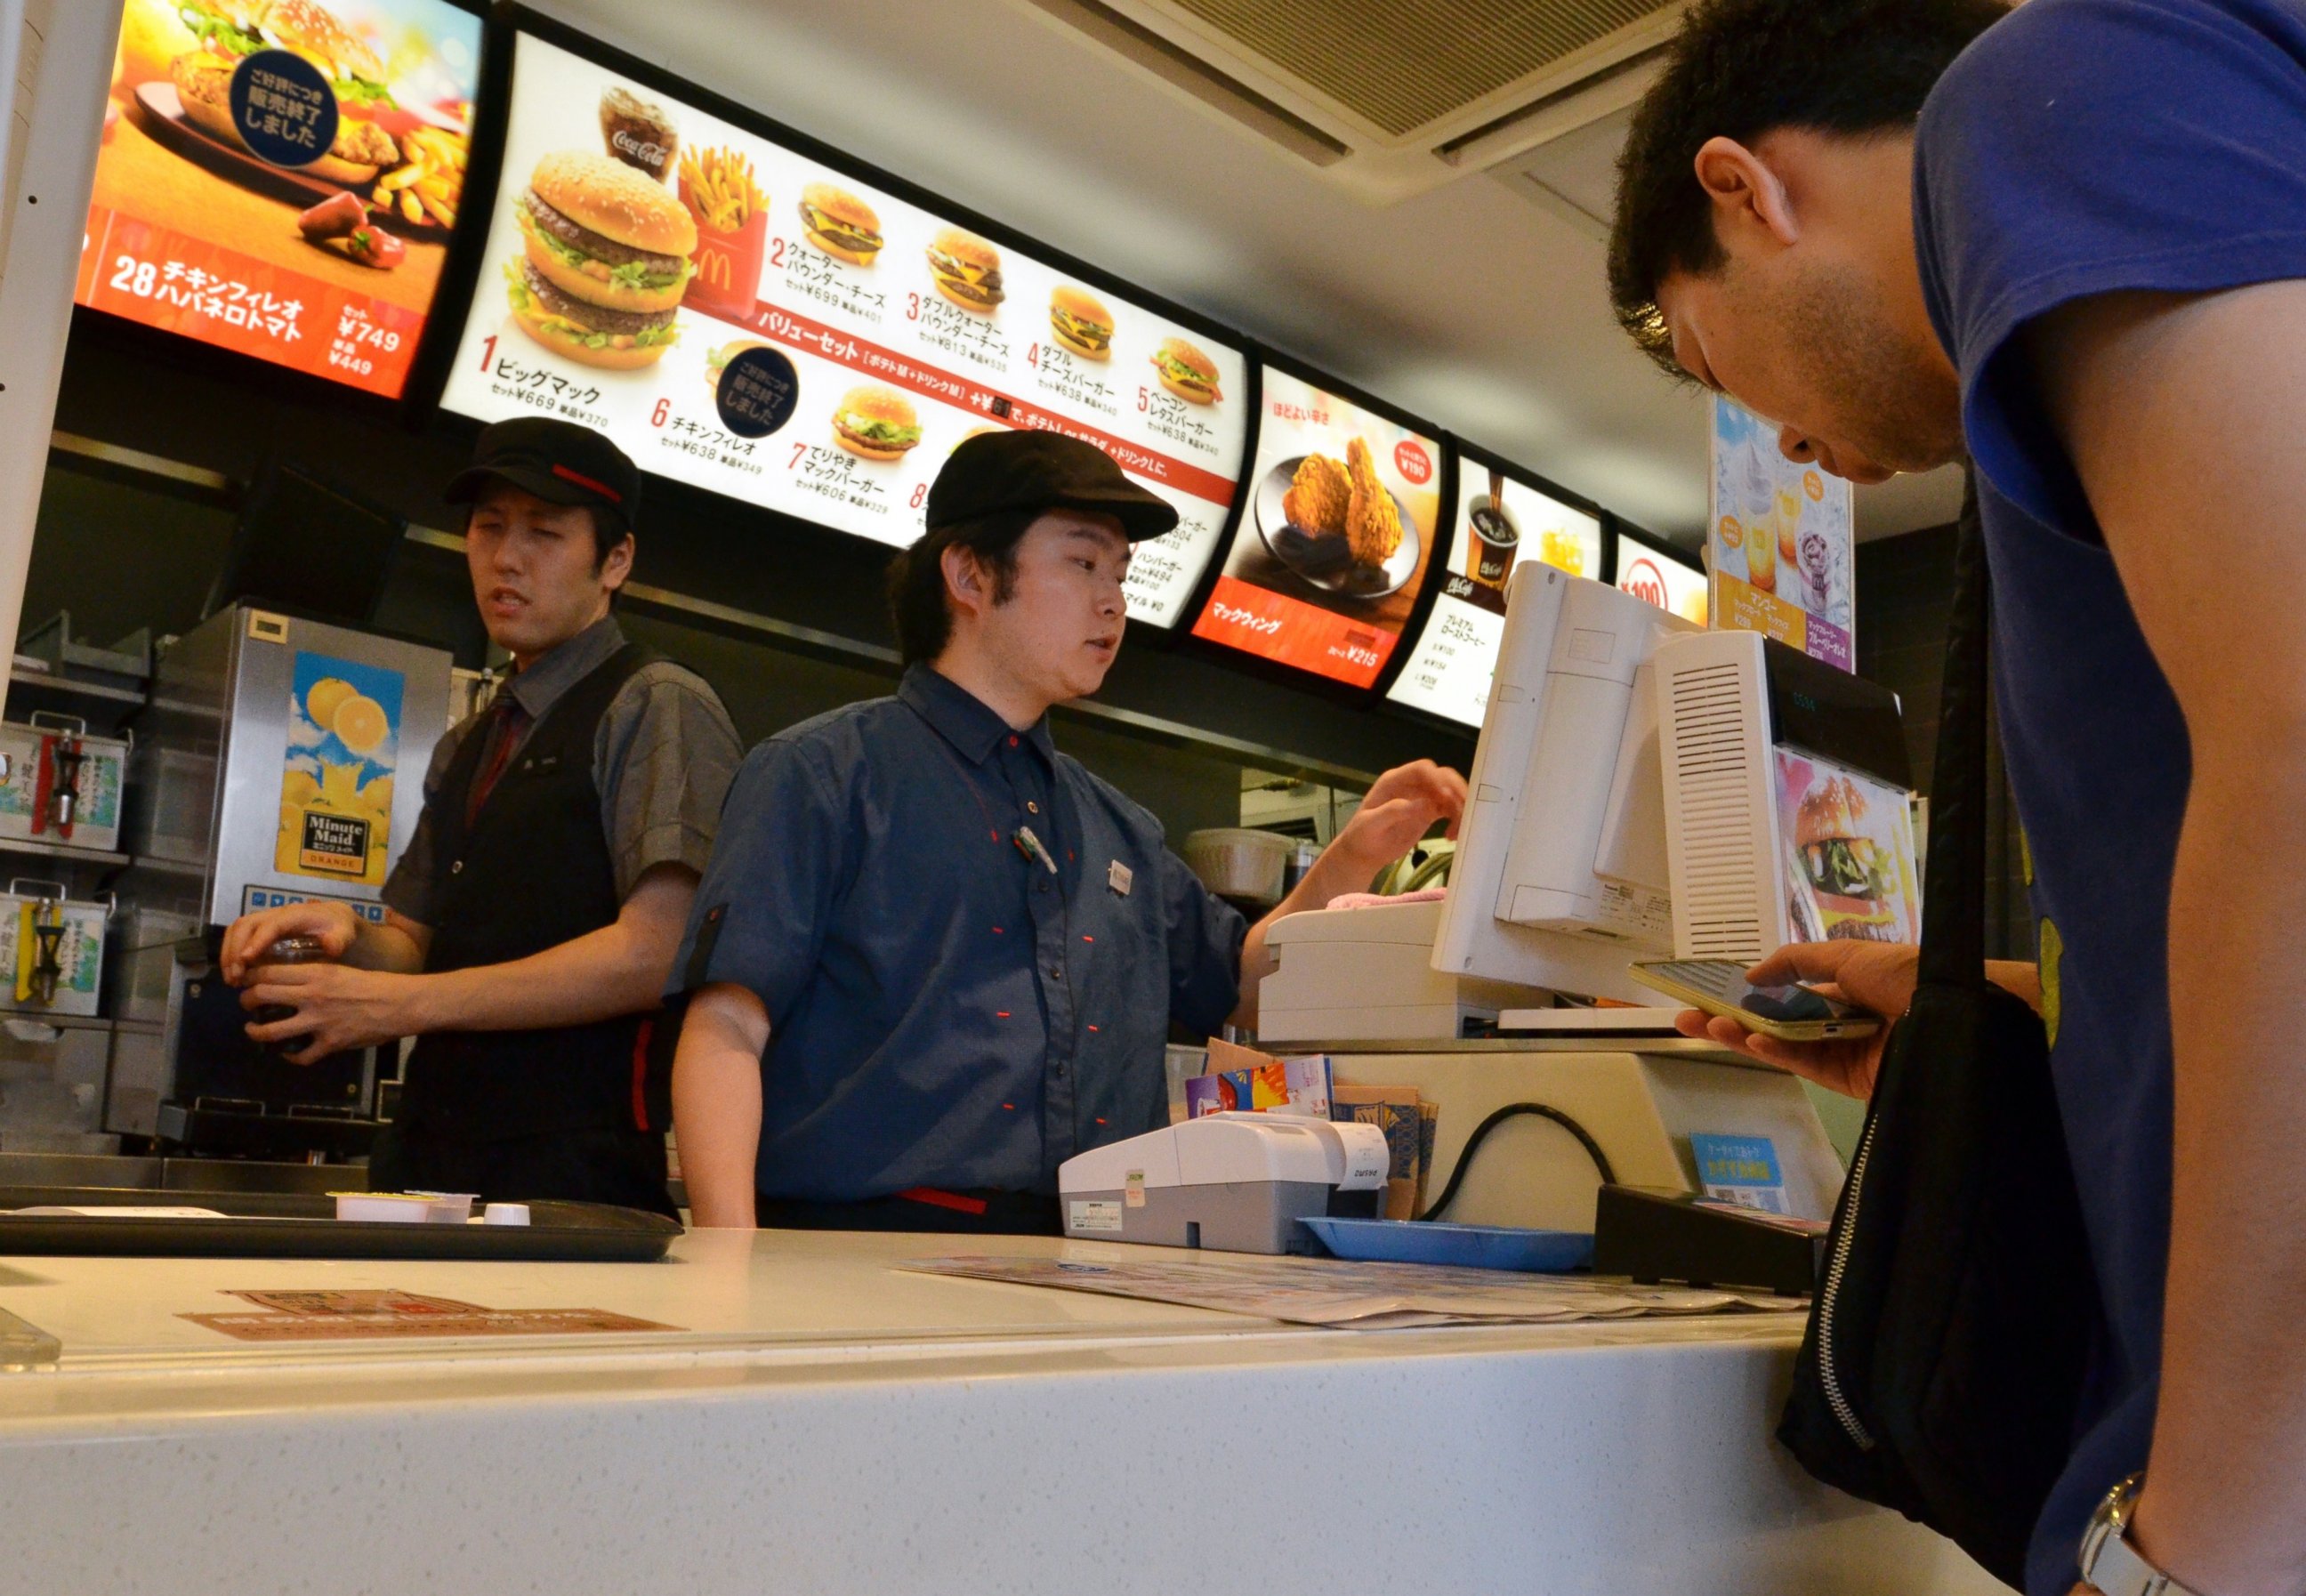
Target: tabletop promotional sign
(753, 322)
(1500, 522)
(1333, 548)
(282, 181)
(1661, 579)
(1851, 867)
(1782, 542)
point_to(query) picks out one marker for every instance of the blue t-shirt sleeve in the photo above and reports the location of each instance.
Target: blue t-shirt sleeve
(1205, 934)
(2088, 146)
(774, 884)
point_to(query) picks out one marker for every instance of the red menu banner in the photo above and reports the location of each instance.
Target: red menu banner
(1337, 540)
(207, 291)
(326, 266)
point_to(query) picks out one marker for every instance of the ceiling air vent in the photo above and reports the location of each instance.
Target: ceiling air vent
(1390, 98)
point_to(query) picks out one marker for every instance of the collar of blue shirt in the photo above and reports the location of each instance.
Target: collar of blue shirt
(964, 719)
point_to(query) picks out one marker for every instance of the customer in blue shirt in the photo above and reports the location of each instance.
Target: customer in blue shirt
(2071, 238)
(933, 958)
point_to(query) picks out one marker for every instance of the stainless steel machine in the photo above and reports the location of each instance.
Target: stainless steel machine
(282, 760)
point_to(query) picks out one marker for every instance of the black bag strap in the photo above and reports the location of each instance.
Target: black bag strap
(1953, 905)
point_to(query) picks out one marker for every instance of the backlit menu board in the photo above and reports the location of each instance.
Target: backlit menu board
(1666, 580)
(752, 321)
(282, 181)
(1333, 546)
(1501, 522)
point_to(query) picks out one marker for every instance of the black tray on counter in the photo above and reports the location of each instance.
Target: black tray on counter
(291, 1224)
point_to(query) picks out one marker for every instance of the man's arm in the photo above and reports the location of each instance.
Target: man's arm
(400, 943)
(716, 1101)
(1396, 813)
(619, 969)
(2185, 418)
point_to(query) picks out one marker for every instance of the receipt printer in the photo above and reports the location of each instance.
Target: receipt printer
(1238, 1182)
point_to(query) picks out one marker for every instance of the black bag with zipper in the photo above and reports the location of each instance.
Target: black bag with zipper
(1942, 1368)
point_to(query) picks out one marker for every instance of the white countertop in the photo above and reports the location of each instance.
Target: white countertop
(822, 1423)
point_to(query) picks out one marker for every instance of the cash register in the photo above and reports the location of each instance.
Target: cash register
(1637, 793)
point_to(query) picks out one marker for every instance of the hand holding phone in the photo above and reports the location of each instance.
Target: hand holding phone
(1786, 1013)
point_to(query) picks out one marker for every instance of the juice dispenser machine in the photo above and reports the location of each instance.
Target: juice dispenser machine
(282, 760)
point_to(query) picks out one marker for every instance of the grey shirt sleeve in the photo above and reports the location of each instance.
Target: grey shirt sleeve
(413, 887)
(664, 759)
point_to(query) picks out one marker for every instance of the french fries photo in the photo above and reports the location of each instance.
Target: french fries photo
(429, 185)
(718, 185)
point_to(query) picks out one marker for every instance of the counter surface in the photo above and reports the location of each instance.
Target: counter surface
(825, 1423)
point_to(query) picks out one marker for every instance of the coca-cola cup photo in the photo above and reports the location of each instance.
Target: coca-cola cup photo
(639, 133)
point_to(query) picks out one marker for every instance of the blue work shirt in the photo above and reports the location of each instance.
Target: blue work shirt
(945, 1010)
(2081, 147)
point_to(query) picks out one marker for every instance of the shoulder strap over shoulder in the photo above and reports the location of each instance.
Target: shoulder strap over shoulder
(1953, 909)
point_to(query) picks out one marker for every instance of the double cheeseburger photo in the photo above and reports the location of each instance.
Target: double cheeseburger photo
(228, 31)
(605, 263)
(967, 271)
(1080, 322)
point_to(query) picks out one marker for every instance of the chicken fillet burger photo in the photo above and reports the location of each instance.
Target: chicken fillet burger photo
(228, 31)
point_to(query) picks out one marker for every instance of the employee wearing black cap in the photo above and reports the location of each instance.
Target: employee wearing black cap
(933, 958)
(532, 919)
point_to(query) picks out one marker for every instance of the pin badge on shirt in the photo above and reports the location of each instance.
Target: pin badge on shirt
(1118, 876)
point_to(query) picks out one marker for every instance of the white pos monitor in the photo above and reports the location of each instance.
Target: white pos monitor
(1561, 876)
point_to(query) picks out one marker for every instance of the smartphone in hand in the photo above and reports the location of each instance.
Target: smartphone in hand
(1788, 1013)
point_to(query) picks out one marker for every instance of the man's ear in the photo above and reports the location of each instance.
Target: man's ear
(1749, 199)
(965, 580)
(617, 566)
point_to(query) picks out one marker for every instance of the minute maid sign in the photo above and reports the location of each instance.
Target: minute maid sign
(336, 788)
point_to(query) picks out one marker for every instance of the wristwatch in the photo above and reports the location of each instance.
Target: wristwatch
(2110, 1566)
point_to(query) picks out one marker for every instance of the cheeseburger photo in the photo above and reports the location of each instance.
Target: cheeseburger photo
(875, 423)
(1187, 372)
(228, 31)
(605, 263)
(1852, 873)
(1080, 322)
(967, 271)
(839, 223)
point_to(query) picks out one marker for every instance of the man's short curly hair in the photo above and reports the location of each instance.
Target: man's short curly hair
(1738, 70)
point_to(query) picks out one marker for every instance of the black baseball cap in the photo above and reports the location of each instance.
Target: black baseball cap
(559, 462)
(1042, 471)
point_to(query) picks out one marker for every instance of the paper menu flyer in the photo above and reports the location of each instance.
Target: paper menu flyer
(896, 335)
(190, 230)
(1782, 542)
(1849, 854)
(1333, 547)
(1500, 521)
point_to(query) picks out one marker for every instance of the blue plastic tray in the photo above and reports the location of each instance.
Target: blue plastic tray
(1467, 1246)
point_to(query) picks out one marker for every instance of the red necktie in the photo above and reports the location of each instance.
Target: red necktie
(506, 721)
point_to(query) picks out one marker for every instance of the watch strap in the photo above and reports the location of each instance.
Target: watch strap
(2110, 1564)
(2117, 1570)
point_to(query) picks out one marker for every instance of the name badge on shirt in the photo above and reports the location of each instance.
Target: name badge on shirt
(1118, 876)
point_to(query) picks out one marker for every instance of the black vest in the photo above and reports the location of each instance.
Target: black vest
(532, 871)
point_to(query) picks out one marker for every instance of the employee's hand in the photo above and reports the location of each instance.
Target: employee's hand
(1876, 977)
(247, 937)
(338, 1007)
(1399, 809)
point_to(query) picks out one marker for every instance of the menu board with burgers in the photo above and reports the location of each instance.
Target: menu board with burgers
(758, 322)
(281, 177)
(1326, 565)
(1666, 580)
(1501, 522)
